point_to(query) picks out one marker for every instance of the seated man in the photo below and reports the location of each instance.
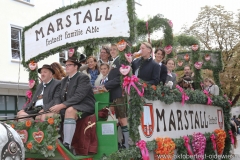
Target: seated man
(76, 95)
(46, 93)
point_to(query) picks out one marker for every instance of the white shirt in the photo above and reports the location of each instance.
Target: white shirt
(39, 102)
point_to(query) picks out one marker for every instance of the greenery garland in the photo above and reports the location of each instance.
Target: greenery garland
(169, 96)
(215, 65)
(50, 127)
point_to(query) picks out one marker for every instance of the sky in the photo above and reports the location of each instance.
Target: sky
(180, 12)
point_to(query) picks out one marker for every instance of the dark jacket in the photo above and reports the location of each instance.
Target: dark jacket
(149, 70)
(50, 94)
(114, 83)
(163, 73)
(79, 93)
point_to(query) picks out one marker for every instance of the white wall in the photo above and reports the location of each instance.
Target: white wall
(19, 14)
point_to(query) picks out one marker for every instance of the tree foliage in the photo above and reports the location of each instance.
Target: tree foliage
(218, 29)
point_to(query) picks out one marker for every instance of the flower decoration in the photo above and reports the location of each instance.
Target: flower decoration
(13, 126)
(170, 23)
(207, 57)
(31, 83)
(50, 120)
(180, 63)
(186, 57)
(128, 57)
(187, 145)
(121, 45)
(32, 65)
(71, 52)
(220, 139)
(142, 145)
(209, 100)
(199, 145)
(168, 49)
(29, 145)
(29, 94)
(124, 70)
(50, 147)
(28, 123)
(144, 85)
(195, 47)
(198, 65)
(154, 87)
(213, 139)
(165, 147)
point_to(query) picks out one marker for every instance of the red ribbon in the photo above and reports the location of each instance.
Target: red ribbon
(213, 139)
(142, 145)
(130, 81)
(186, 144)
(184, 95)
(231, 135)
(209, 102)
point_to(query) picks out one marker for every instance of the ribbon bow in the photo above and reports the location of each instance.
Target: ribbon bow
(130, 81)
(213, 139)
(209, 102)
(231, 135)
(184, 95)
(186, 144)
(142, 145)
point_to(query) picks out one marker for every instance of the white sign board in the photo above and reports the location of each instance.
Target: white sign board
(174, 120)
(97, 20)
(108, 129)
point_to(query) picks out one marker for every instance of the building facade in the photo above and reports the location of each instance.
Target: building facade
(14, 15)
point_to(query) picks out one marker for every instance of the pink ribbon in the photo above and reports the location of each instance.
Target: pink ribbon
(213, 139)
(142, 145)
(186, 144)
(29, 96)
(231, 135)
(184, 95)
(130, 81)
(209, 102)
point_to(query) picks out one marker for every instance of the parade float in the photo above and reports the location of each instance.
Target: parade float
(175, 123)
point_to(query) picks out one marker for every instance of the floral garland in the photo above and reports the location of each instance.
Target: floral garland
(165, 148)
(30, 131)
(220, 139)
(199, 145)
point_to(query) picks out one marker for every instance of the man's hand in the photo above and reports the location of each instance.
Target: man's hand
(57, 108)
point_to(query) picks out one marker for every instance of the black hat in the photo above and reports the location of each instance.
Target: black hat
(82, 58)
(46, 66)
(72, 59)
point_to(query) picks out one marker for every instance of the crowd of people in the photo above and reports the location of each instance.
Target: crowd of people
(71, 91)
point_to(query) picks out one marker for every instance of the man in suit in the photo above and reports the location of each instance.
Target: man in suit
(76, 95)
(113, 85)
(46, 93)
(145, 67)
(159, 56)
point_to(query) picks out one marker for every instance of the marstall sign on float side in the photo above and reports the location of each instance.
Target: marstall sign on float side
(97, 20)
(174, 120)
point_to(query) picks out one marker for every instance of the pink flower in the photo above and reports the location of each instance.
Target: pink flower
(29, 94)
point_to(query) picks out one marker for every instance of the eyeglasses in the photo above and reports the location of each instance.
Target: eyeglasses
(67, 65)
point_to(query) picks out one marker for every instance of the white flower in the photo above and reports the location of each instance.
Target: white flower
(114, 66)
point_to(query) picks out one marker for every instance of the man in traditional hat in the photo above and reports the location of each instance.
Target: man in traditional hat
(46, 93)
(76, 95)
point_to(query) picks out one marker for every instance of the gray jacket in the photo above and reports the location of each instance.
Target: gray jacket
(50, 94)
(173, 79)
(214, 90)
(79, 93)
